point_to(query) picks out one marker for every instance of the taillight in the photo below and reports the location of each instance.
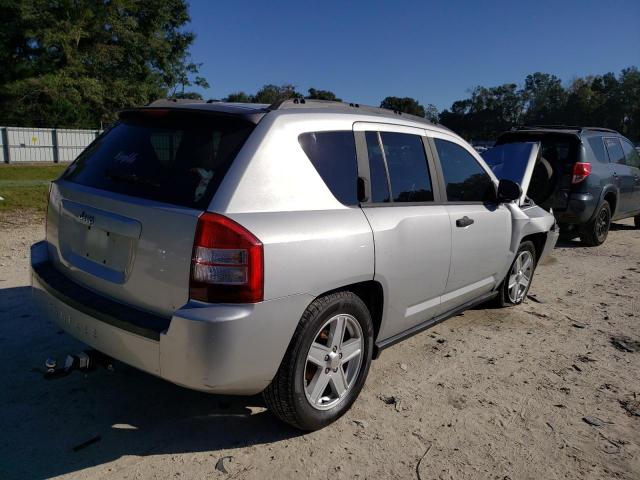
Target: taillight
(581, 170)
(227, 262)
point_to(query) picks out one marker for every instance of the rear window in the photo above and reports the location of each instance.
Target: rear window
(598, 149)
(169, 157)
(333, 154)
(616, 155)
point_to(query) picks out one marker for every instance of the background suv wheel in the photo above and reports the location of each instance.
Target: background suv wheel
(595, 232)
(636, 220)
(326, 363)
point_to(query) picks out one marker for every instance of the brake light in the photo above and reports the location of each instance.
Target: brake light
(581, 171)
(227, 263)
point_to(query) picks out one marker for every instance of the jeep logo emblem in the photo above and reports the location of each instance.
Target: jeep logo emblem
(85, 218)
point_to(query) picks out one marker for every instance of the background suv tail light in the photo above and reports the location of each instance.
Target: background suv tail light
(227, 262)
(581, 171)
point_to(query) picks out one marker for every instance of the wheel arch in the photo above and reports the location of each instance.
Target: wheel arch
(371, 293)
(610, 195)
(538, 239)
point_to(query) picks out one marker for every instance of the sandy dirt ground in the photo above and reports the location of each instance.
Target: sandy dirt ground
(499, 394)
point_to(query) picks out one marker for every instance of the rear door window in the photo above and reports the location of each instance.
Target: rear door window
(166, 156)
(631, 154)
(465, 179)
(616, 154)
(405, 160)
(333, 154)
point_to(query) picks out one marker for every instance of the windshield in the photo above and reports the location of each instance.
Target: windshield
(509, 161)
(162, 155)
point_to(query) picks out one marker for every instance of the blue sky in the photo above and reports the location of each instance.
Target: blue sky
(434, 51)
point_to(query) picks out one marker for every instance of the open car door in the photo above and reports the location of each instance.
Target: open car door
(522, 163)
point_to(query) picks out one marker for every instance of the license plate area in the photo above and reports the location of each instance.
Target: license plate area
(98, 242)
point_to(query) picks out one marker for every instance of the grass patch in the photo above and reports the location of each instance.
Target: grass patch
(25, 187)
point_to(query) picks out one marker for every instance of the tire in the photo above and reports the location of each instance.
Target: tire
(636, 221)
(296, 395)
(595, 232)
(526, 253)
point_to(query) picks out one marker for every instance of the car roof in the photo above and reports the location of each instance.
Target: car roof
(254, 112)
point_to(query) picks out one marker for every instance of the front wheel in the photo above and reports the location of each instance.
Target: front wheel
(636, 221)
(326, 363)
(516, 284)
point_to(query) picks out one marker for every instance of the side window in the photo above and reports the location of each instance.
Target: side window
(407, 166)
(333, 154)
(598, 149)
(465, 179)
(631, 154)
(378, 172)
(616, 155)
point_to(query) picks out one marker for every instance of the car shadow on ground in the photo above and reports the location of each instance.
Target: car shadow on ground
(54, 427)
(573, 240)
(622, 226)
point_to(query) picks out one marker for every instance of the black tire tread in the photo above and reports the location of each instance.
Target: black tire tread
(279, 395)
(587, 232)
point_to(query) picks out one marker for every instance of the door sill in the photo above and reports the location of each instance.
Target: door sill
(421, 327)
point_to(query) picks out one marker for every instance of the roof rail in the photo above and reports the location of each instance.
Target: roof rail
(600, 129)
(561, 127)
(293, 103)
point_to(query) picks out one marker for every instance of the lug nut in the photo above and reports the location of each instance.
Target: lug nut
(340, 356)
(326, 370)
(335, 349)
(335, 370)
(326, 358)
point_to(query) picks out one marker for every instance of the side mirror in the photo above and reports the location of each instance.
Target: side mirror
(508, 191)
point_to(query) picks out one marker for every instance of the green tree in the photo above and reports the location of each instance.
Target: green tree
(404, 104)
(75, 63)
(239, 97)
(544, 99)
(431, 113)
(322, 95)
(275, 93)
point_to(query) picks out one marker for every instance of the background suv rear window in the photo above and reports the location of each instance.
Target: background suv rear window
(616, 155)
(333, 154)
(598, 149)
(169, 157)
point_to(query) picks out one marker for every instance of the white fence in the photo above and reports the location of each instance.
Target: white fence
(19, 144)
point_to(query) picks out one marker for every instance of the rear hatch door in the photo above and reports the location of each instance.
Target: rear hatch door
(122, 217)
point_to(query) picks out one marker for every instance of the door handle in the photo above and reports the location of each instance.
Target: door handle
(464, 222)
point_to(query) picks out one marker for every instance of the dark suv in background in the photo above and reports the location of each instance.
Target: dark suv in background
(589, 176)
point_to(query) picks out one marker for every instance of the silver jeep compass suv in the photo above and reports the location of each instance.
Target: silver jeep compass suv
(237, 248)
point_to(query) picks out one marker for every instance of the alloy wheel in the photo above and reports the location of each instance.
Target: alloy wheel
(520, 276)
(602, 224)
(333, 361)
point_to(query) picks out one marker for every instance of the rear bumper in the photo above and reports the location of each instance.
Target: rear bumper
(224, 348)
(580, 209)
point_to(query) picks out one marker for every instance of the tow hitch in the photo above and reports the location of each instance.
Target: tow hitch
(84, 361)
